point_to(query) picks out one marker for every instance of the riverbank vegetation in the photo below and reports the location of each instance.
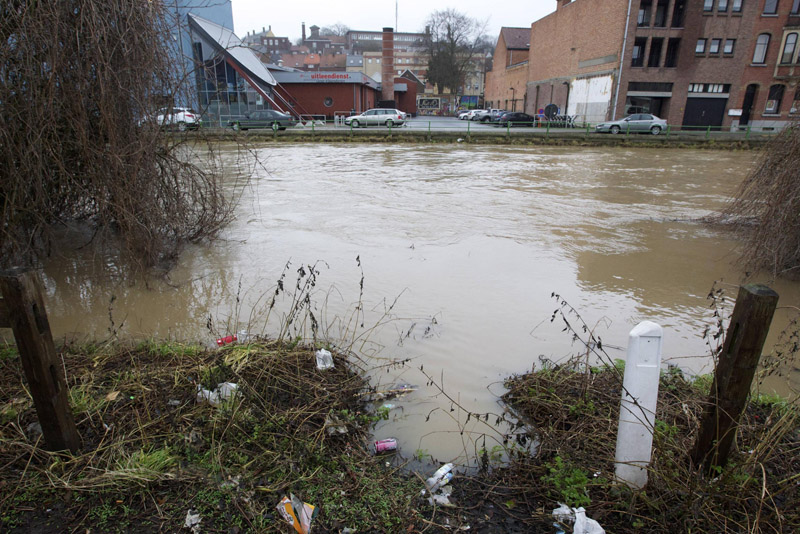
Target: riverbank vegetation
(153, 451)
(79, 143)
(765, 210)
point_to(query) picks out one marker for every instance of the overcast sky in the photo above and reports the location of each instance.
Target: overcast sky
(287, 16)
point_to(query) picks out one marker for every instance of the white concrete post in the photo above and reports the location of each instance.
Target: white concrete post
(638, 409)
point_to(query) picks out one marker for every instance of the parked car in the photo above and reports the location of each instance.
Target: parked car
(498, 114)
(636, 123)
(482, 115)
(515, 118)
(263, 118)
(181, 118)
(462, 115)
(376, 117)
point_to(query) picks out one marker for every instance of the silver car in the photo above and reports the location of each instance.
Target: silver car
(636, 123)
(377, 117)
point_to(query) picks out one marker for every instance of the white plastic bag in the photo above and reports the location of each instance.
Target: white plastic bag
(583, 524)
(223, 392)
(324, 360)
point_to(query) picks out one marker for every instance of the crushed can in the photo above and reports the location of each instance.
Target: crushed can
(385, 445)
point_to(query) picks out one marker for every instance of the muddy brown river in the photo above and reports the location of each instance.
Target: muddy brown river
(461, 248)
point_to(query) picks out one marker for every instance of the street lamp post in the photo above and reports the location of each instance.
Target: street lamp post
(513, 100)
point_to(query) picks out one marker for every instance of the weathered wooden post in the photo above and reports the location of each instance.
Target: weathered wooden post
(22, 309)
(637, 412)
(737, 365)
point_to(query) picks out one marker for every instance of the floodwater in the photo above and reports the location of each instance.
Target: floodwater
(460, 248)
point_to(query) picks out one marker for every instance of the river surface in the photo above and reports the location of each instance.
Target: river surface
(461, 248)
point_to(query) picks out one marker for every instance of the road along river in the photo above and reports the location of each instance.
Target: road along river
(469, 242)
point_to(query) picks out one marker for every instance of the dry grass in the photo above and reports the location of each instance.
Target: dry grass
(151, 451)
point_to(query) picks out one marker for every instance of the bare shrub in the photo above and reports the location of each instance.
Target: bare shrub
(78, 78)
(766, 208)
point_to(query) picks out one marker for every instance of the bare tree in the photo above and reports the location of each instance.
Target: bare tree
(78, 78)
(766, 207)
(337, 29)
(453, 41)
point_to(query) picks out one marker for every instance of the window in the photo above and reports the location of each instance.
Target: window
(643, 19)
(796, 103)
(677, 13)
(654, 59)
(722, 5)
(789, 48)
(729, 44)
(795, 8)
(736, 6)
(774, 99)
(760, 54)
(700, 47)
(770, 7)
(638, 52)
(672, 53)
(653, 87)
(708, 5)
(718, 88)
(661, 14)
(713, 47)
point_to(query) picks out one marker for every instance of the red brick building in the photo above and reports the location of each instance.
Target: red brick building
(328, 93)
(575, 58)
(505, 83)
(697, 63)
(769, 91)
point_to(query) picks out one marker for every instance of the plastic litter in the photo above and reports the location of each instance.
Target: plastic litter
(297, 513)
(334, 425)
(385, 445)
(227, 340)
(441, 499)
(192, 521)
(393, 390)
(441, 477)
(436, 486)
(223, 392)
(324, 360)
(583, 524)
(243, 336)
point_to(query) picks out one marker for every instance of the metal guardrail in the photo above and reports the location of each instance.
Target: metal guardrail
(317, 123)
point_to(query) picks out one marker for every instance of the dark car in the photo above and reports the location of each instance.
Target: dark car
(265, 118)
(515, 118)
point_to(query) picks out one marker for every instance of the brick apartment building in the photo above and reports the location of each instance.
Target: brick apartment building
(696, 63)
(769, 91)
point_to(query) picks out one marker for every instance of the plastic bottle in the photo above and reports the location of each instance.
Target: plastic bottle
(440, 478)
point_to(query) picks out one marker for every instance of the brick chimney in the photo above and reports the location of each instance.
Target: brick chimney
(387, 66)
(304, 31)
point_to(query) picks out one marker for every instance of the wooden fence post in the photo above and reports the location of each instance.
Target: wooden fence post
(25, 314)
(736, 367)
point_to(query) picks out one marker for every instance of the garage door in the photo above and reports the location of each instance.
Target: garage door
(704, 111)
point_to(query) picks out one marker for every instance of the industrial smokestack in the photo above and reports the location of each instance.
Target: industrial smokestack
(387, 67)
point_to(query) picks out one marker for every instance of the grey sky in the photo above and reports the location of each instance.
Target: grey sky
(286, 17)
